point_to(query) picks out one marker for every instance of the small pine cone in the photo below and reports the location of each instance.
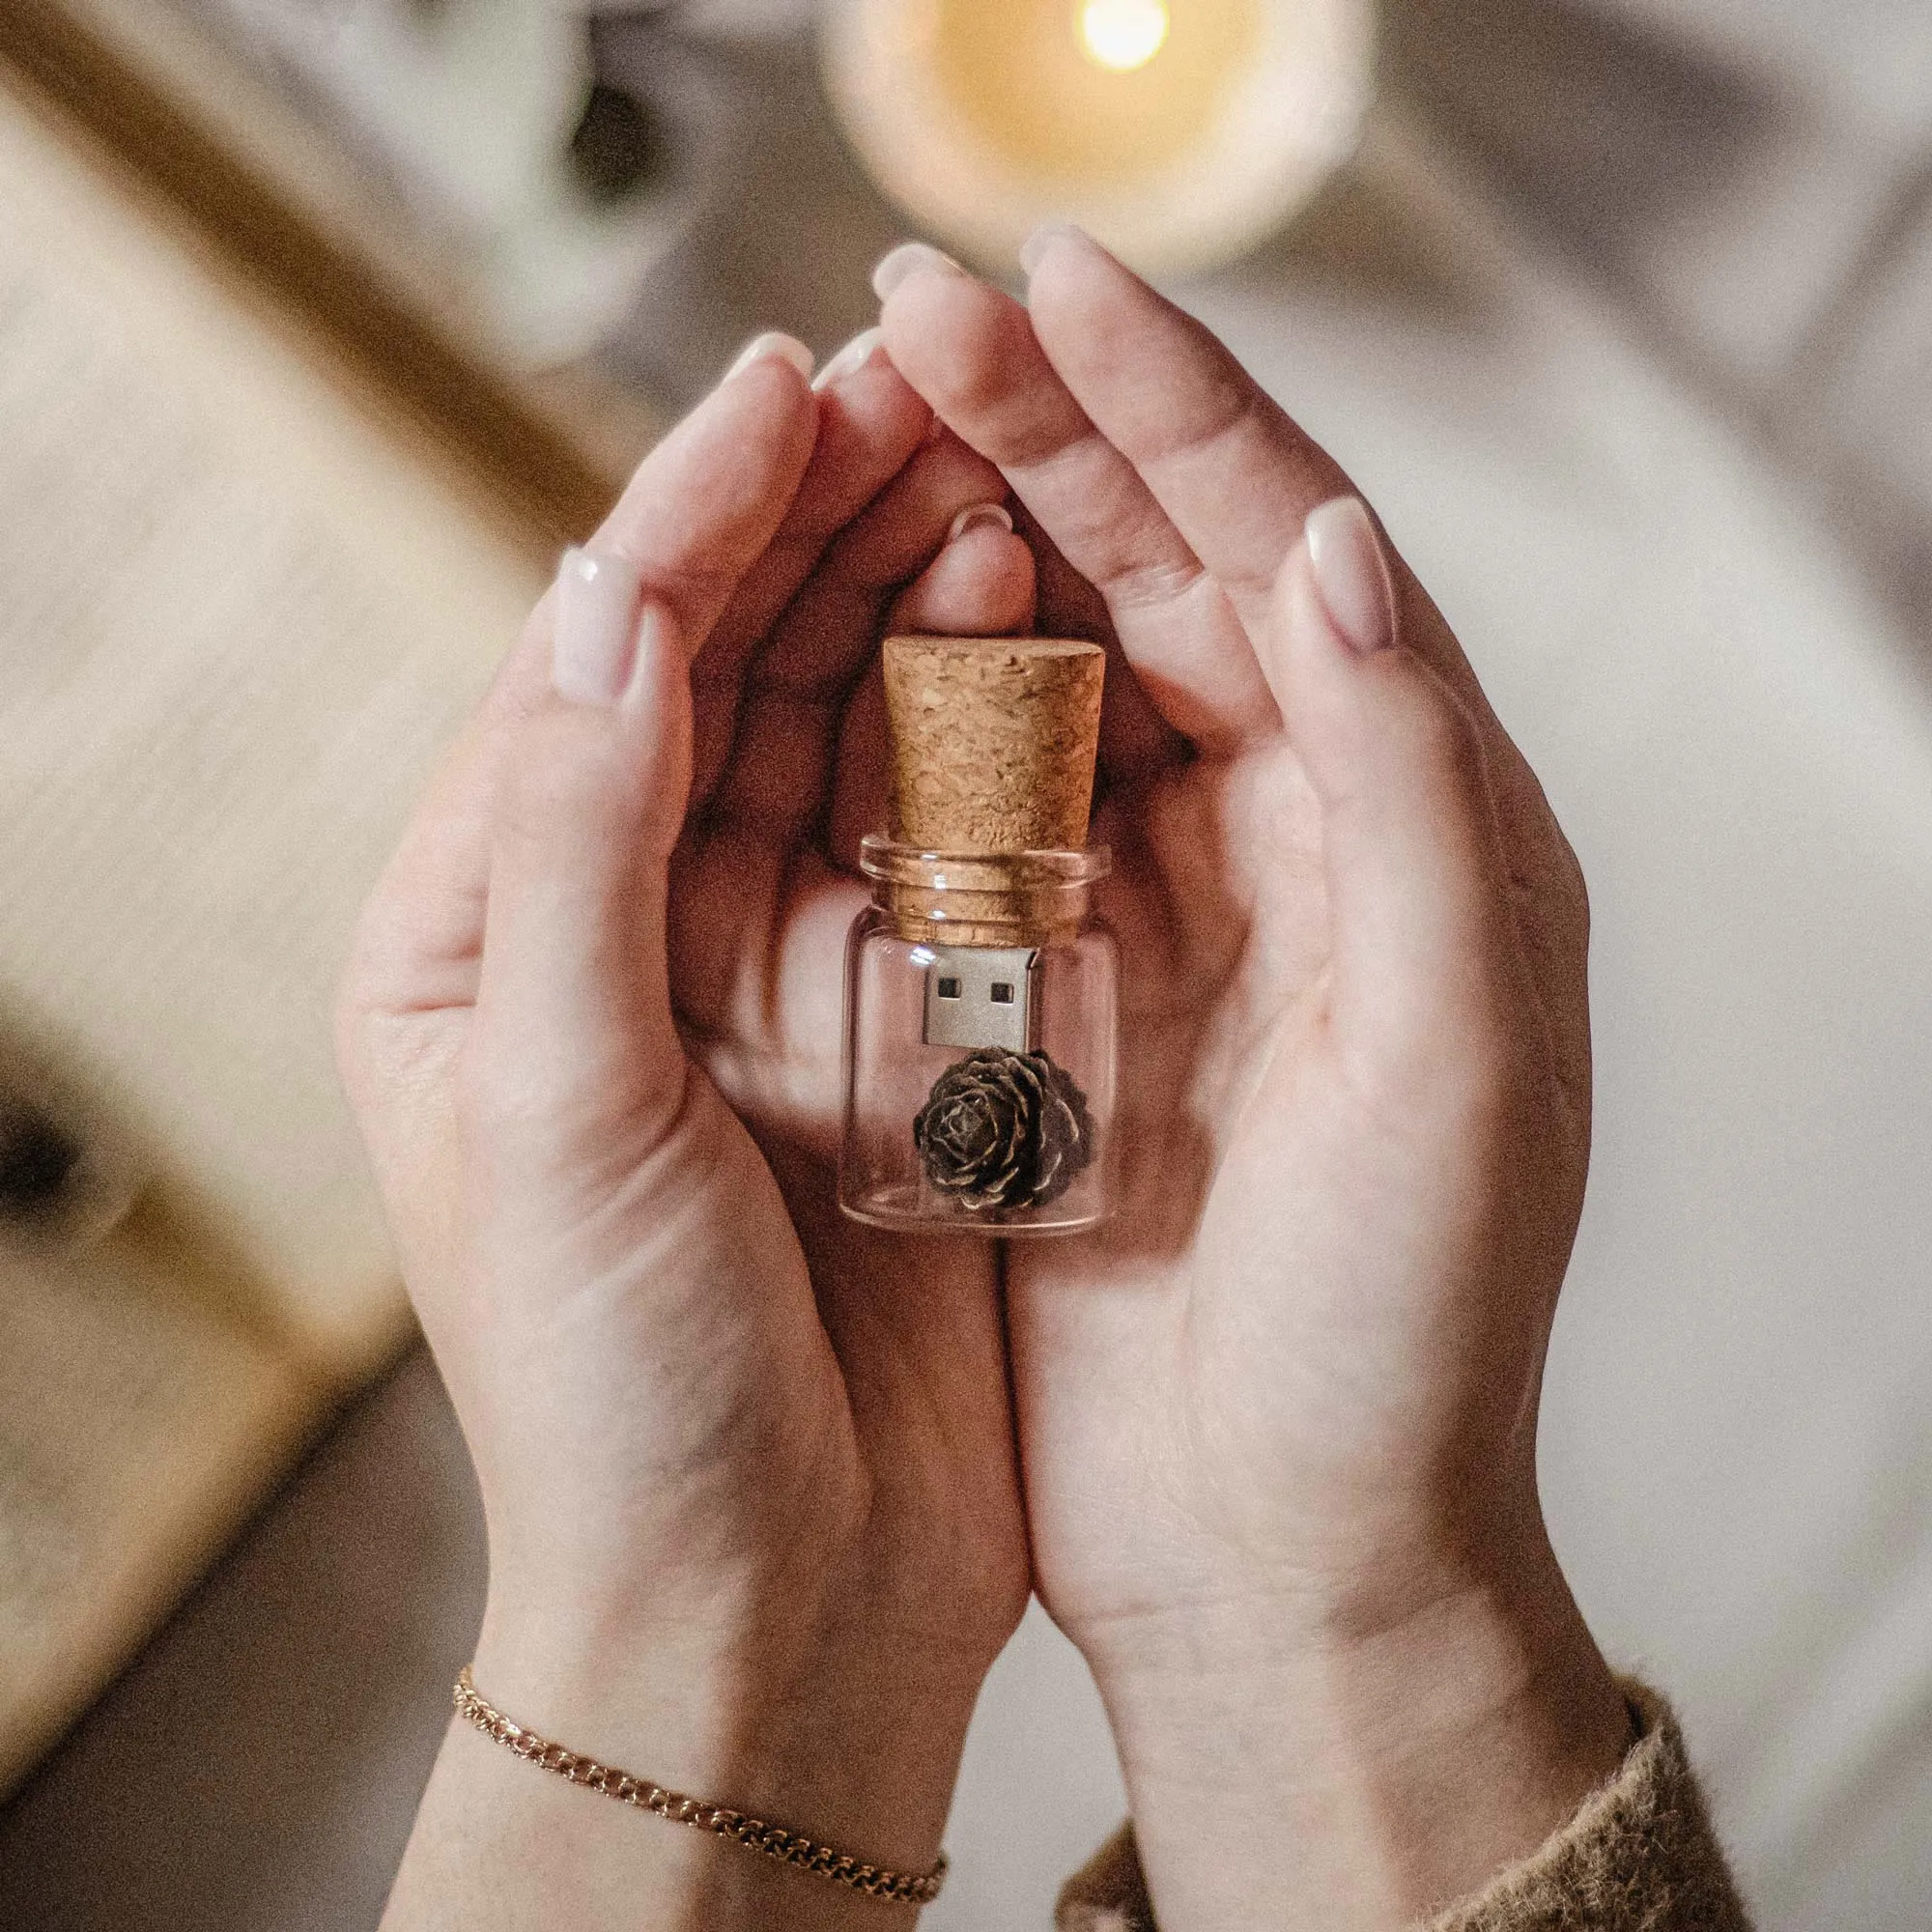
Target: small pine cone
(1003, 1130)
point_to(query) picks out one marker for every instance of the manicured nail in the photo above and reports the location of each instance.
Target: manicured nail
(909, 258)
(595, 639)
(993, 515)
(1035, 245)
(1351, 572)
(774, 343)
(850, 359)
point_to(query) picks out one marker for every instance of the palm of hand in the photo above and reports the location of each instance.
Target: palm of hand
(1308, 1274)
(908, 1380)
(1137, 1354)
(622, 1237)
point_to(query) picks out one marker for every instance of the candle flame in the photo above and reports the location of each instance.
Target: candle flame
(1121, 35)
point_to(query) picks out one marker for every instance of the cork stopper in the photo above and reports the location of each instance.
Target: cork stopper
(993, 742)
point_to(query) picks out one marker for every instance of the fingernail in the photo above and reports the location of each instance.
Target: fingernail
(908, 259)
(850, 359)
(976, 514)
(1351, 572)
(1035, 245)
(595, 638)
(776, 344)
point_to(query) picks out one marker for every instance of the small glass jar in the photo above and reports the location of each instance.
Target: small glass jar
(979, 1021)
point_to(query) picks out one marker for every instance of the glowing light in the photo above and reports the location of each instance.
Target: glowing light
(1121, 35)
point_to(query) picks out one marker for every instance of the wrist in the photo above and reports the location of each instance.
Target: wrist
(797, 1719)
(1363, 1771)
(501, 1837)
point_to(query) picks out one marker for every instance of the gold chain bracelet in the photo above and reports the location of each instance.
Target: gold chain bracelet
(756, 1834)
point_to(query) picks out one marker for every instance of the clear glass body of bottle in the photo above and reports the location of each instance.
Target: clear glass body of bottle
(980, 995)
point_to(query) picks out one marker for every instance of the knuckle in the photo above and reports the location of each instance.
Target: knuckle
(1541, 833)
(1135, 583)
(1575, 885)
(1443, 736)
(395, 1055)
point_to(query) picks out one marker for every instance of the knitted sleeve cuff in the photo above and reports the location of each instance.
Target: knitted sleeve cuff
(1639, 1855)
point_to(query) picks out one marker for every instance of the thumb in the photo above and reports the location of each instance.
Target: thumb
(1422, 937)
(574, 1031)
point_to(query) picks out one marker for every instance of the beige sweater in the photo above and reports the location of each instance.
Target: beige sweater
(1640, 1856)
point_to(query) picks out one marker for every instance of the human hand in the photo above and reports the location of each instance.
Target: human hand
(1277, 1420)
(747, 1466)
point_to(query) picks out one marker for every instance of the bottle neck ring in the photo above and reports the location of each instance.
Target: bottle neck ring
(981, 898)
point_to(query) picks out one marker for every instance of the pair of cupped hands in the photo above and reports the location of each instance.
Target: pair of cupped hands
(766, 1490)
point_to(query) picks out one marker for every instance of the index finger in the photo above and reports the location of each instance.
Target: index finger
(1229, 466)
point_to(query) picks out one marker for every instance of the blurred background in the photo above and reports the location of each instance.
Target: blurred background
(1620, 310)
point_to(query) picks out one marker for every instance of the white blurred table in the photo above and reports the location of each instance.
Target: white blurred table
(1641, 378)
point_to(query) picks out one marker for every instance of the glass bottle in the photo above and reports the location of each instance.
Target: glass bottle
(980, 1044)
